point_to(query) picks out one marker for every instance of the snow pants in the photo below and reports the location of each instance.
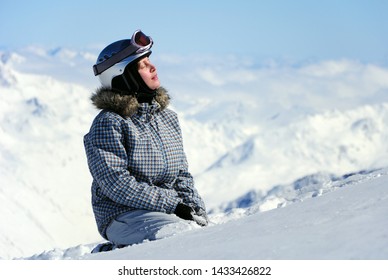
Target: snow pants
(138, 225)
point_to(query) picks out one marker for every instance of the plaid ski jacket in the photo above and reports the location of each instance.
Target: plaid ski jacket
(136, 158)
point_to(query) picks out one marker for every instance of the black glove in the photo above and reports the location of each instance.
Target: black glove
(200, 217)
(186, 212)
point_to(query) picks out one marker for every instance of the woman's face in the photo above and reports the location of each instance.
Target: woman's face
(148, 73)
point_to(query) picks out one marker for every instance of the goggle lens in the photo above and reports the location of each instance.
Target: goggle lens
(141, 39)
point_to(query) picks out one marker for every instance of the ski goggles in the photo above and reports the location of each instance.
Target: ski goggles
(139, 43)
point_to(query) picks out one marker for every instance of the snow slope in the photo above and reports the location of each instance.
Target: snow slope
(250, 129)
(347, 220)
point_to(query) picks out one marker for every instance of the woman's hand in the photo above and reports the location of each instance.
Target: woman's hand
(186, 212)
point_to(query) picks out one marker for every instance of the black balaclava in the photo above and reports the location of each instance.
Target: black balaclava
(130, 82)
(142, 92)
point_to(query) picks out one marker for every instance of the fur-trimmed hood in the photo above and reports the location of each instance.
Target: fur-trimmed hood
(125, 105)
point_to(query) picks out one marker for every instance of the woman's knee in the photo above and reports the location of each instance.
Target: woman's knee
(138, 225)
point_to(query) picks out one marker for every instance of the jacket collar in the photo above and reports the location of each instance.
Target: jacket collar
(127, 105)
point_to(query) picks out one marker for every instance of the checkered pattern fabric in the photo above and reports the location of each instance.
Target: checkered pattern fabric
(138, 162)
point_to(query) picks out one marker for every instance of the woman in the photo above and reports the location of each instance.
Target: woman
(135, 151)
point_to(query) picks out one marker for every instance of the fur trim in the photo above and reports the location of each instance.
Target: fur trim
(123, 104)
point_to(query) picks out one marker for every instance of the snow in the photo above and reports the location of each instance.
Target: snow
(346, 221)
(291, 159)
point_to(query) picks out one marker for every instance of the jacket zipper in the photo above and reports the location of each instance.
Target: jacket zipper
(161, 147)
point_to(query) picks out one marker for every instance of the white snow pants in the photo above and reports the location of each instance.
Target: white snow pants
(138, 225)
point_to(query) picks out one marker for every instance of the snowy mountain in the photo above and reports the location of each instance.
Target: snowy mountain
(253, 133)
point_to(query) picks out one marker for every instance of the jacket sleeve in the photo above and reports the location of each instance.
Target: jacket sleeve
(185, 182)
(107, 160)
(186, 189)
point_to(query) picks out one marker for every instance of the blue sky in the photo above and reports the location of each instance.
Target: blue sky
(293, 30)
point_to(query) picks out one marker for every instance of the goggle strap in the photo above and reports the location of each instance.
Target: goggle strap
(101, 67)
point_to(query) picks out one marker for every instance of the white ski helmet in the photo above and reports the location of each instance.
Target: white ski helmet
(113, 59)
